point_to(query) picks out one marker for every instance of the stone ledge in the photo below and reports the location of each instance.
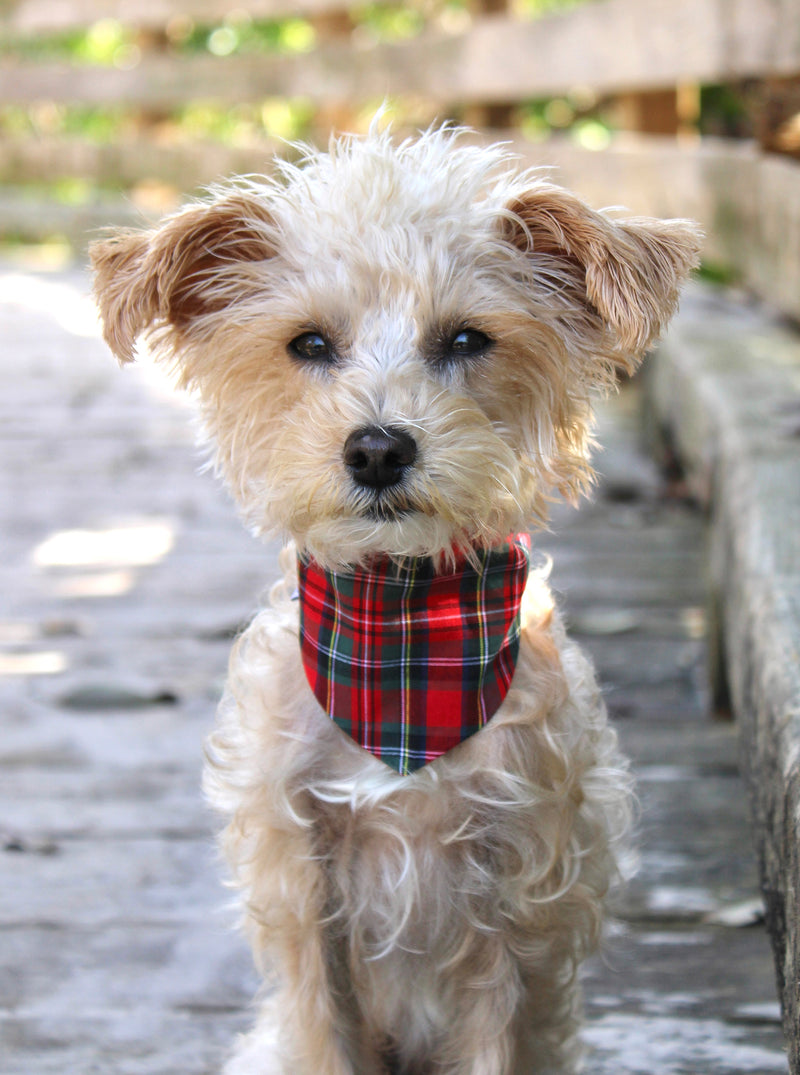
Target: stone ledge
(723, 394)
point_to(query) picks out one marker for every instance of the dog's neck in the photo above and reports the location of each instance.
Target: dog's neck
(410, 661)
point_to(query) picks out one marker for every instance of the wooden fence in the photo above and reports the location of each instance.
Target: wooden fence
(644, 63)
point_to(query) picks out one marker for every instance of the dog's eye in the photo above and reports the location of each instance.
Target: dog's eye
(469, 342)
(311, 347)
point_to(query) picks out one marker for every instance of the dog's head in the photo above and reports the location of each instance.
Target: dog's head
(395, 347)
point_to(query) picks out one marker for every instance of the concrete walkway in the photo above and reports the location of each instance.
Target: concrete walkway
(124, 576)
(725, 389)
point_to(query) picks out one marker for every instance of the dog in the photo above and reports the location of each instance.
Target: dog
(395, 347)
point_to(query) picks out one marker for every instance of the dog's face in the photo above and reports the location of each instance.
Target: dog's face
(395, 347)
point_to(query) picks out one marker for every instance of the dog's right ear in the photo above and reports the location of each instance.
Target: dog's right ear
(178, 273)
(628, 271)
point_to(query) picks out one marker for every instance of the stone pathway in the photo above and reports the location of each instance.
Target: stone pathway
(686, 986)
(124, 575)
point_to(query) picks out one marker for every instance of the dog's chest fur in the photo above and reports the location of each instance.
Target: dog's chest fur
(423, 873)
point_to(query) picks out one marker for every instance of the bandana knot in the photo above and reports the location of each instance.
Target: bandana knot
(409, 662)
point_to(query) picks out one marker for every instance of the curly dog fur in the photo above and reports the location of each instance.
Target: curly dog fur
(433, 923)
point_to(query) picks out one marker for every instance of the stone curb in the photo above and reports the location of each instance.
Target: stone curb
(723, 395)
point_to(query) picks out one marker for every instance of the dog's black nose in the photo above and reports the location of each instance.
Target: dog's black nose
(378, 456)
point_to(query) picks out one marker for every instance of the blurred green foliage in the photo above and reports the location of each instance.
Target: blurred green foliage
(726, 111)
(393, 22)
(110, 43)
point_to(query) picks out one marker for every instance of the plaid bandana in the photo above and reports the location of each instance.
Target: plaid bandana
(409, 662)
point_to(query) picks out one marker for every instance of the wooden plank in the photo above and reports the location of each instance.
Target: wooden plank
(612, 46)
(332, 73)
(127, 162)
(28, 219)
(48, 16)
(778, 246)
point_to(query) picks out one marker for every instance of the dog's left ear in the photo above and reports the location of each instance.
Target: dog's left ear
(629, 271)
(188, 267)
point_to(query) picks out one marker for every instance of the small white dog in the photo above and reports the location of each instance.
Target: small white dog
(395, 349)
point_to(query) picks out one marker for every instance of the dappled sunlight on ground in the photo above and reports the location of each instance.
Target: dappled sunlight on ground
(131, 546)
(104, 557)
(65, 301)
(67, 536)
(59, 300)
(82, 563)
(42, 663)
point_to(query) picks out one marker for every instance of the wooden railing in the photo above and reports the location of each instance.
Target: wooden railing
(611, 46)
(644, 63)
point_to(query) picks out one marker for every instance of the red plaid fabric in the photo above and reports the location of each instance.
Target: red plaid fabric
(410, 662)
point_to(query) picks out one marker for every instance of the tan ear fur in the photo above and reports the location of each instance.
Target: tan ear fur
(630, 271)
(167, 276)
(128, 302)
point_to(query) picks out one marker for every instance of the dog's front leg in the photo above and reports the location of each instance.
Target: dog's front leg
(482, 1032)
(301, 1028)
(509, 1022)
(316, 1033)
